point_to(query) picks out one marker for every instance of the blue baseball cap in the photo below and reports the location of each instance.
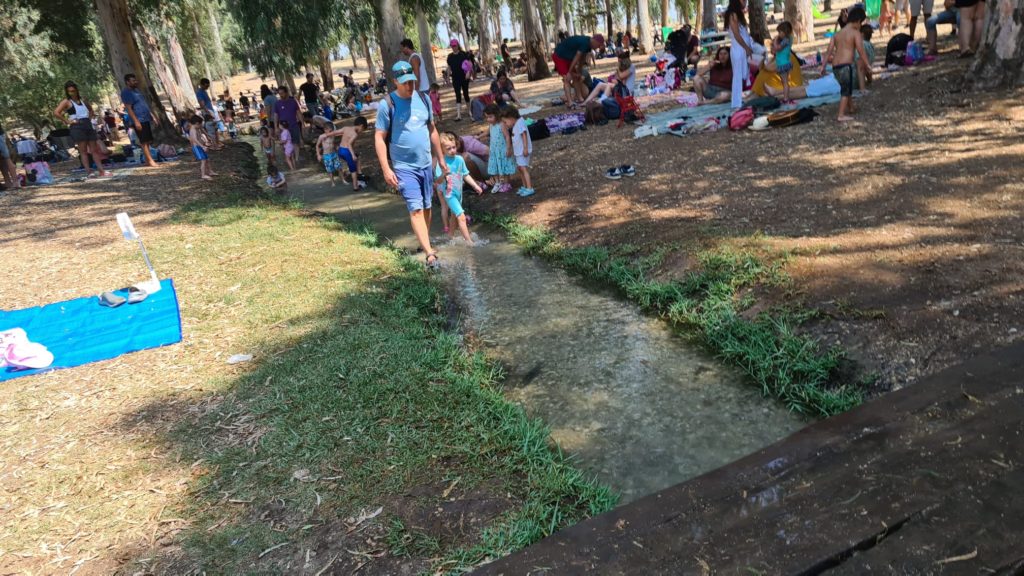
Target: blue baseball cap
(403, 72)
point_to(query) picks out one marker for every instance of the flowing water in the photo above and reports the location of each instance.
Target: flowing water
(634, 404)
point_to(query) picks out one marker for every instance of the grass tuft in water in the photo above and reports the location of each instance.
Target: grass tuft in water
(783, 363)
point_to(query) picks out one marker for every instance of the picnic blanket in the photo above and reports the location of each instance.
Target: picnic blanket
(700, 114)
(81, 331)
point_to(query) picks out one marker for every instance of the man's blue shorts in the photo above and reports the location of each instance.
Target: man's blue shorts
(416, 186)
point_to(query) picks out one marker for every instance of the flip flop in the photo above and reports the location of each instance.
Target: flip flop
(135, 295)
(111, 300)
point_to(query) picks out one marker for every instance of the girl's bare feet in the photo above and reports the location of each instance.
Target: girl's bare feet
(206, 177)
(214, 174)
(845, 119)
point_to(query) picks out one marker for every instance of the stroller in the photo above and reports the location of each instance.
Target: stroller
(60, 142)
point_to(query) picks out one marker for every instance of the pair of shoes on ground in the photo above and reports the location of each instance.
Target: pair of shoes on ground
(620, 171)
(524, 191)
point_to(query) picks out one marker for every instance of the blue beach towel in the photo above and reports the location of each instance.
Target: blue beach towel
(81, 331)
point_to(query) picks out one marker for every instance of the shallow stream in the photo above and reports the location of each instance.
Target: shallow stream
(637, 406)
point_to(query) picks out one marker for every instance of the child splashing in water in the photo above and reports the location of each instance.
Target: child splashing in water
(782, 45)
(451, 187)
(501, 164)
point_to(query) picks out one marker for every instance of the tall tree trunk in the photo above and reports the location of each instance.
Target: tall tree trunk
(496, 22)
(464, 39)
(486, 52)
(223, 66)
(644, 24)
(389, 20)
(125, 58)
(423, 33)
(757, 21)
(800, 15)
(826, 6)
(352, 53)
(629, 16)
(1000, 59)
(559, 16)
(163, 70)
(709, 20)
(543, 29)
(664, 13)
(188, 91)
(369, 59)
(533, 44)
(326, 73)
(608, 19)
(777, 6)
(202, 51)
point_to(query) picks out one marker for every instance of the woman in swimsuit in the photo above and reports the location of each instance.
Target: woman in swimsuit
(79, 121)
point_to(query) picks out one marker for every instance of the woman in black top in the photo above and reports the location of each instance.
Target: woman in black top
(460, 81)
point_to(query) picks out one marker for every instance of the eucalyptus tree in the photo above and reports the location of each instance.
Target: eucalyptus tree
(534, 43)
(800, 14)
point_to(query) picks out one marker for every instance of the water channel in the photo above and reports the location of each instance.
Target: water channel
(636, 405)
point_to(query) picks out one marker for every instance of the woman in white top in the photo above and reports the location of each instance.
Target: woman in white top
(741, 48)
(79, 120)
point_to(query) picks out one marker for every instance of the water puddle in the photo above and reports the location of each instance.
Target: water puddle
(634, 404)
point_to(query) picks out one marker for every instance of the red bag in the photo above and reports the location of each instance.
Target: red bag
(741, 119)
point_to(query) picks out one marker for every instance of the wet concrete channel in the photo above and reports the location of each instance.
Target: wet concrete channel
(636, 405)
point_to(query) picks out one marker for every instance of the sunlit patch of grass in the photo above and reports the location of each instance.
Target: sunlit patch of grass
(707, 301)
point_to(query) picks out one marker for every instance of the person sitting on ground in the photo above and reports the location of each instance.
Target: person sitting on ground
(570, 56)
(846, 43)
(449, 186)
(347, 152)
(714, 86)
(623, 81)
(685, 47)
(503, 90)
(476, 155)
(275, 179)
(950, 15)
(864, 79)
(243, 101)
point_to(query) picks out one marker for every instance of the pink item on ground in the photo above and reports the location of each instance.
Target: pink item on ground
(16, 351)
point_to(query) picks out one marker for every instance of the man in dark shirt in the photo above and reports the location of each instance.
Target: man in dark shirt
(569, 57)
(310, 94)
(460, 80)
(685, 47)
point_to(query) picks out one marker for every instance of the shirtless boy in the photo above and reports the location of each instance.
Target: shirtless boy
(844, 45)
(325, 153)
(348, 136)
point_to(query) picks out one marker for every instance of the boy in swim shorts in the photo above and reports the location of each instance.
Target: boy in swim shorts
(325, 153)
(345, 152)
(845, 44)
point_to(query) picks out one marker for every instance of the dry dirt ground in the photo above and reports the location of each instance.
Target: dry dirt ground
(905, 228)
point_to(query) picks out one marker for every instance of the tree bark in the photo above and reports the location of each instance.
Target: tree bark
(486, 52)
(223, 66)
(608, 19)
(326, 73)
(125, 58)
(646, 34)
(188, 91)
(827, 6)
(757, 21)
(629, 16)
(559, 17)
(799, 14)
(464, 39)
(369, 59)
(543, 29)
(1000, 58)
(664, 13)
(423, 34)
(536, 56)
(389, 18)
(163, 70)
(352, 53)
(709, 20)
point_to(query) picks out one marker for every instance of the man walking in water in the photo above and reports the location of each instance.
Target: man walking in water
(405, 132)
(419, 68)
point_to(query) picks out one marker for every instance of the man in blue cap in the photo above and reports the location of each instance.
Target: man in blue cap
(405, 134)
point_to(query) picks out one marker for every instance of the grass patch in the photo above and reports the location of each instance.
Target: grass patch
(784, 364)
(360, 396)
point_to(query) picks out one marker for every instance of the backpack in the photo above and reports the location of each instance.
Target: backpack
(791, 117)
(915, 53)
(741, 118)
(896, 49)
(764, 103)
(538, 130)
(611, 109)
(391, 110)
